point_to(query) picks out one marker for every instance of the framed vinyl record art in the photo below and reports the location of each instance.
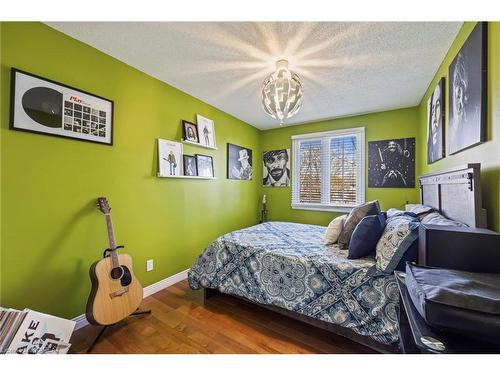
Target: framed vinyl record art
(40, 105)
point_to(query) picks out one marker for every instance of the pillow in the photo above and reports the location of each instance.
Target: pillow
(355, 216)
(436, 218)
(399, 234)
(366, 235)
(395, 212)
(333, 230)
(419, 209)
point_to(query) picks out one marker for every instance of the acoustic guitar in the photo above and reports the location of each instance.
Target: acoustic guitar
(116, 293)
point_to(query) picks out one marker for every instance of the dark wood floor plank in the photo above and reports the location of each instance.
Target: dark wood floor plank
(181, 323)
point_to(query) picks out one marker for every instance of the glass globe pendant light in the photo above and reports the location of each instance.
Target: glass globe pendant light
(282, 93)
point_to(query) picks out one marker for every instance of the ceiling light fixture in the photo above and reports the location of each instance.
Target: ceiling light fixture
(282, 93)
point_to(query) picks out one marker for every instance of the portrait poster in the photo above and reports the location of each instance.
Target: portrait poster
(190, 131)
(206, 131)
(239, 162)
(467, 88)
(169, 158)
(205, 165)
(276, 168)
(189, 163)
(391, 163)
(435, 123)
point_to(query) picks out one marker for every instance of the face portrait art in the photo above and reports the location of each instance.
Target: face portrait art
(190, 133)
(467, 93)
(276, 168)
(435, 146)
(459, 92)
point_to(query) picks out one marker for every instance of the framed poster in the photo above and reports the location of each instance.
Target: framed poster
(190, 168)
(206, 131)
(391, 163)
(190, 131)
(169, 158)
(467, 102)
(204, 165)
(239, 162)
(40, 105)
(276, 170)
(435, 123)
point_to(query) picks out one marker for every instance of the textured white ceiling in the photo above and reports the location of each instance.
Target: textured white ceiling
(346, 68)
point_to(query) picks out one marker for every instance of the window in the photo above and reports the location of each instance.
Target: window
(328, 170)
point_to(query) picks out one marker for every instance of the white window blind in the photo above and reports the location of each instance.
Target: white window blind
(328, 170)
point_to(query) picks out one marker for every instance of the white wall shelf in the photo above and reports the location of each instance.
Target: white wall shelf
(198, 144)
(190, 177)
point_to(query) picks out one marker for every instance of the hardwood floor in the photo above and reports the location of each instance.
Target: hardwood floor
(181, 323)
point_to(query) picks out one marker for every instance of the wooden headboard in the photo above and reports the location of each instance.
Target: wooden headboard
(456, 193)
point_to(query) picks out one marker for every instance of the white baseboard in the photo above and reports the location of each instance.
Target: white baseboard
(81, 321)
(165, 283)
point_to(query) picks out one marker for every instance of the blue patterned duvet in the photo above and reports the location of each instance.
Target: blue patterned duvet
(287, 265)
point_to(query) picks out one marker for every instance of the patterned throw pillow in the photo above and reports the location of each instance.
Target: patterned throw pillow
(355, 216)
(333, 231)
(399, 233)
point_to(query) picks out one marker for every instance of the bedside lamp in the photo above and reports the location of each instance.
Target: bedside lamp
(263, 212)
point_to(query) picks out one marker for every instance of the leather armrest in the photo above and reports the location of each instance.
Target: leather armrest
(467, 249)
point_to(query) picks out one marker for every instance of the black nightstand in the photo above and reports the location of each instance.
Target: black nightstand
(417, 337)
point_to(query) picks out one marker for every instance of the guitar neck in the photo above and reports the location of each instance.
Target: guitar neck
(112, 242)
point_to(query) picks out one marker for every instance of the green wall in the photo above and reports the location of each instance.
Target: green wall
(51, 230)
(488, 153)
(401, 123)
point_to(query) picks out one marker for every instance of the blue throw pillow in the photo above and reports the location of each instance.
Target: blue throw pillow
(366, 235)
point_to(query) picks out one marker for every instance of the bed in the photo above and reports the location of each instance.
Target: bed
(286, 268)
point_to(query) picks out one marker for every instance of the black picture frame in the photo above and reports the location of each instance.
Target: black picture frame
(236, 168)
(200, 167)
(467, 102)
(276, 168)
(391, 163)
(186, 125)
(436, 123)
(30, 117)
(189, 160)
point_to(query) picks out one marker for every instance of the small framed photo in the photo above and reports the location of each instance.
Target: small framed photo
(169, 158)
(40, 105)
(204, 165)
(190, 131)
(206, 131)
(190, 168)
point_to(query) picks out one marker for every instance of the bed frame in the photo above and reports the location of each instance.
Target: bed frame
(456, 193)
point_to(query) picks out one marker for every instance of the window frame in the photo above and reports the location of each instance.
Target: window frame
(325, 138)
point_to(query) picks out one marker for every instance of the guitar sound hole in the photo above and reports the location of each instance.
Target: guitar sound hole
(116, 273)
